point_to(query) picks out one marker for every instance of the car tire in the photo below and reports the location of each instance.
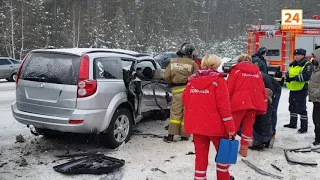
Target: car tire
(121, 121)
(12, 77)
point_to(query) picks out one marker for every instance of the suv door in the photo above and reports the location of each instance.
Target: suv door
(48, 84)
(107, 72)
(5, 68)
(161, 89)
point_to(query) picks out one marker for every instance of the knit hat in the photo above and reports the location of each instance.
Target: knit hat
(300, 51)
(262, 50)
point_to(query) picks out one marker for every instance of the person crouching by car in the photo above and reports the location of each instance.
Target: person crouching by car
(314, 95)
(262, 128)
(248, 98)
(207, 114)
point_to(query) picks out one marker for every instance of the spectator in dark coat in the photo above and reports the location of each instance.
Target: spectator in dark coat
(262, 128)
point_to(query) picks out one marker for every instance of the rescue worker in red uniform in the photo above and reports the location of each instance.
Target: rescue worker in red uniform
(208, 114)
(176, 74)
(248, 98)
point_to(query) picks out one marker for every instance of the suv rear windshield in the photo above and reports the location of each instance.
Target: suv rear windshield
(51, 68)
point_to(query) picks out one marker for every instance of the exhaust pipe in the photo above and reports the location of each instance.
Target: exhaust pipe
(33, 130)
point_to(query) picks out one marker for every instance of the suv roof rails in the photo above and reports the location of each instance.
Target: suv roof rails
(50, 47)
(141, 55)
(117, 52)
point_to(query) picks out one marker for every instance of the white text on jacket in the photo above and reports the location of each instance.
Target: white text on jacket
(251, 75)
(197, 91)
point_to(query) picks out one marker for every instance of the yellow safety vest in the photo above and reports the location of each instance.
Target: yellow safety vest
(293, 72)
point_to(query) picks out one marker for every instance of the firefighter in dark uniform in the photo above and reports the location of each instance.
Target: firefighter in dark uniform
(297, 81)
(259, 59)
(176, 74)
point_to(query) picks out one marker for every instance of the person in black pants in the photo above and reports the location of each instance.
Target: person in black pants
(297, 79)
(314, 95)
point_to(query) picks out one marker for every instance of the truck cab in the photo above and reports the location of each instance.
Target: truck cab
(281, 44)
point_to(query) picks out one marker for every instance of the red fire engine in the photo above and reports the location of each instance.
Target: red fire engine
(281, 44)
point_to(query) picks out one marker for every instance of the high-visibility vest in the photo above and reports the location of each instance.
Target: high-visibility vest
(293, 72)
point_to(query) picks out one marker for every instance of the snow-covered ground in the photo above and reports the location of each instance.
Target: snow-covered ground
(143, 153)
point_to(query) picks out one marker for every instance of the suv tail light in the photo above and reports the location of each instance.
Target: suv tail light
(86, 86)
(19, 71)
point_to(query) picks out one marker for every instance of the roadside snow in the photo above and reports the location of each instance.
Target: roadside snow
(143, 153)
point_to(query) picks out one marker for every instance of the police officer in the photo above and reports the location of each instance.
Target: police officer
(259, 59)
(297, 79)
(176, 74)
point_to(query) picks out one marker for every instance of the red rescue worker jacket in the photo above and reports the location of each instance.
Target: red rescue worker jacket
(207, 107)
(246, 88)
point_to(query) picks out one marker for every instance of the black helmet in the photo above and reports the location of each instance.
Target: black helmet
(186, 49)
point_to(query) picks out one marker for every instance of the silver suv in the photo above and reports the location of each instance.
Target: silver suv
(9, 68)
(85, 90)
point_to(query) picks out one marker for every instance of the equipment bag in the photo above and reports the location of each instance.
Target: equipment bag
(228, 151)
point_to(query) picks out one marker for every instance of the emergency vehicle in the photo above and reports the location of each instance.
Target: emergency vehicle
(281, 44)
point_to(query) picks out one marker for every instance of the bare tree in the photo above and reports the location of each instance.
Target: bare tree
(22, 28)
(12, 30)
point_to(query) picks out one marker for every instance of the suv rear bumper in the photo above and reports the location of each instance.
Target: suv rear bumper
(92, 120)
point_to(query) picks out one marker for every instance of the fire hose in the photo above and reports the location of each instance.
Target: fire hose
(154, 92)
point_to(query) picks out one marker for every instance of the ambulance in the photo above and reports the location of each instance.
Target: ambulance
(281, 44)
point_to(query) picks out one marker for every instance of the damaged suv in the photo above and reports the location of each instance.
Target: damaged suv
(85, 90)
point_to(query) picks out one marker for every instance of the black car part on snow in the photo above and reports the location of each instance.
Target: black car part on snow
(300, 150)
(260, 171)
(91, 164)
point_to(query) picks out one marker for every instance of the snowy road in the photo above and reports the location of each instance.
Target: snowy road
(142, 153)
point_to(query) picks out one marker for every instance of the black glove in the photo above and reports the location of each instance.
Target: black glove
(290, 79)
(287, 78)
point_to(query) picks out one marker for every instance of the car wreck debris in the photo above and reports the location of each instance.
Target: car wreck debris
(20, 139)
(92, 164)
(300, 150)
(276, 167)
(260, 171)
(157, 169)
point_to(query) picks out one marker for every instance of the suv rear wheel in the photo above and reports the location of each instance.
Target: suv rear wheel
(119, 129)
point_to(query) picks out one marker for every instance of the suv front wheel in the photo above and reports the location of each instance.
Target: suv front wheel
(119, 129)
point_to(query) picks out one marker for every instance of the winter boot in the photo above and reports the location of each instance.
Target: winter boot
(231, 178)
(168, 138)
(184, 138)
(293, 121)
(304, 124)
(290, 126)
(258, 146)
(316, 144)
(302, 131)
(243, 150)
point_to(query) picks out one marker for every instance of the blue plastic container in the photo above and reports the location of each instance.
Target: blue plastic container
(228, 151)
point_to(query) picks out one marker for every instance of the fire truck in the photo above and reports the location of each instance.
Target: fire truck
(281, 44)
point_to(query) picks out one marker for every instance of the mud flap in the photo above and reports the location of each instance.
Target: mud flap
(94, 164)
